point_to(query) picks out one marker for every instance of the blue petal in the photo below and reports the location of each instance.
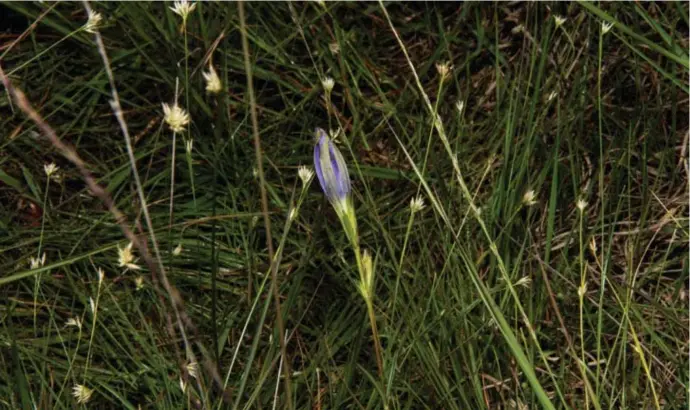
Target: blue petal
(317, 160)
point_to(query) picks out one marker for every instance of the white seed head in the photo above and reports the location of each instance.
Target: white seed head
(182, 8)
(334, 134)
(417, 204)
(101, 276)
(305, 174)
(593, 246)
(460, 105)
(37, 262)
(292, 214)
(93, 22)
(444, 69)
(529, 198)
(125, 258)
(74, 321)
(92, 305)
(581, 205)
(183, 385)
(328, 83)
(193, 369)
(176, 117)
(334, 47)
(525, 281)
(606, 27)
(189, 145)
(213, 84)
(139, 282)
(50, 169)
(552, 96)
(81, 393)
(559, 20)
(581, 290)
(178, 250)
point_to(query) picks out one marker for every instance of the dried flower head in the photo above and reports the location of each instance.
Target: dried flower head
(139, 282)
(292, 214)
(188, 145)
(37, 262)
(213, 84)
(444, 69)
(183, 385)
(178, 250)
(529, 198)
(126, 258)
(559, 20)
(176, 117)
(93, 22)
(183, 8)
(50, 169)
(606, 27)
(81, 393)
(334, 47)
(582, 290)
(551, 96)
(417, 204)
(92, 305)
(524, 281)
(101, 276)
(581, 205)
(328, 83)
(193, 369)
(74, 321)
(305, 174)
(460, 105)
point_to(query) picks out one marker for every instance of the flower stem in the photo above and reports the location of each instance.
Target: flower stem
(375, 334)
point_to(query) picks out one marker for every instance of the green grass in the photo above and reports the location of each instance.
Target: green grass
(481, 301)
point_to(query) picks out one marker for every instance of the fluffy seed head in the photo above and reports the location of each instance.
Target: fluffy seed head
(213, 84)
(328, 83)
(139, 282)
(176, 117)
(74, 321)
(182, 8)
(581, 205)
(101, 275)
(606, 27)
(559, 20)
(125, 257)
(81, 393)
(529, 198)
(305, 174)
(193, 369)
(178, 250)
(417, 204)
(37, 262)
(93, 22)
(50, 169)
(444, 69)
(460, 105)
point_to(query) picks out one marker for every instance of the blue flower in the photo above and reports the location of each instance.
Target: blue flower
(331, 170)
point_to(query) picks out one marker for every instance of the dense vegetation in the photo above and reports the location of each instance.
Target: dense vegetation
(547, 141)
